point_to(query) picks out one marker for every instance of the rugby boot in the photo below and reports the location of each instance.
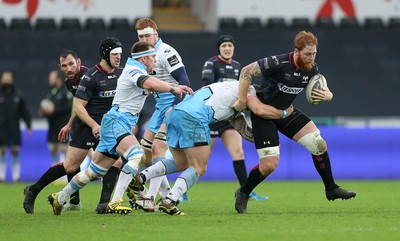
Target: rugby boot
(168, 206)
(241, 200)
(53, 200)
(29, 200)
(117, 207)
(339, 193)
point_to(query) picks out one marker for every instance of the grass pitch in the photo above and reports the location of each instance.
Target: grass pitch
(295, 211)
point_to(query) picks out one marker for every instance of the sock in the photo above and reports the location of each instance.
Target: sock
(255, 178)
(165, 188)
(323, 166)
(240, 170)
(108, 182)
(123, 181)
(93, 172)
(184, 182)
(74, 198)
(52, 174)
(16, 168)
(3, 167)
(155, 182)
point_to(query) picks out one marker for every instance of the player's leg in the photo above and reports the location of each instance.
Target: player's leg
(97, 169)
(3, 163)
(233, 143)
(197, 158)
(268, 153)
(73, 159)
(308, 135)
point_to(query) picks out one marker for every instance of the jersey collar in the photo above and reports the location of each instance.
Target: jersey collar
(136, 63)
(158, 44)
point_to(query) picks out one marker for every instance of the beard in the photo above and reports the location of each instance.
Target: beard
(303, 65)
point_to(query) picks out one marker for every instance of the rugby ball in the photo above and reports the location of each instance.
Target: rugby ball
(318, 81)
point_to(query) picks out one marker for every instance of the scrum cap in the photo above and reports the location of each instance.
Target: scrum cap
(223, 39)
(109, 46)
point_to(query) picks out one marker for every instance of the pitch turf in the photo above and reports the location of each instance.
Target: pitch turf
(295, 211)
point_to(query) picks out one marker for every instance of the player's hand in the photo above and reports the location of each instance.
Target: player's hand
(240, 105)
(290, 110)
(96, 131)
(64, 132)
(182, 89)
(322, 95)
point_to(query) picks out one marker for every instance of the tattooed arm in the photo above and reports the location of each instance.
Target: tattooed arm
(245, 79)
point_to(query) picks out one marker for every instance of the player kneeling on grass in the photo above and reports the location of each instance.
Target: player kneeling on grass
(188, 136)
(284, 77)
(116, 137)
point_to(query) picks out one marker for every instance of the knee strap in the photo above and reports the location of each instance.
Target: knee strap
(313, 142)
(135, 156)
(146, 144)
(161, 136)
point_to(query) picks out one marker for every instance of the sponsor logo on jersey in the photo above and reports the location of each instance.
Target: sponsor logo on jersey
(82, 88)
(111, 76)
(229, 67)
(289, 90)
(108, 93)
(274, 58)
(173, 60)
(296, 74)
(134, 71)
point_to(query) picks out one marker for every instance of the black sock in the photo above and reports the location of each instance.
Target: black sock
(52, 174)
(240, 170)
(74, 198)
(255, 178)
(323, 166)
(108, 182)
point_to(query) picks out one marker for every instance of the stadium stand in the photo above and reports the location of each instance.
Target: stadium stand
(374, 24)
(20, 25)
(70, 25)
(119, 24)
(394, 23)
(275, 23)
(325, 23)
(300, 24)
(3, 26)
(228, 24)
(349, 23)
(95, 24)
(45, 24)
(251, 24)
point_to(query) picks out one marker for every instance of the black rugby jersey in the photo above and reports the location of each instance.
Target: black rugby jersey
(72, 84)
(97, 87)
(282, 81)
(218, 70)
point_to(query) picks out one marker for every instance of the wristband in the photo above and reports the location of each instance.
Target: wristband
(284, 114)
(172, 90)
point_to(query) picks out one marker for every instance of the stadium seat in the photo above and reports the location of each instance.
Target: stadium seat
(95, 24)
(394, 23)
(70, 24)
(120, 24)
(20, 24)
(251, 24)
(275, 23)
(3, 26)
(374, 24)
(45, 24)
(300, 23)
(349, 23)
(325, 23)
(228, 24)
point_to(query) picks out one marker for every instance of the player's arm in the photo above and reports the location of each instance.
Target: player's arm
(63, 134)
(81, 112)
(153, 84)
(245, 79)
(207, 75)
(266, 111)
(181, 76)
